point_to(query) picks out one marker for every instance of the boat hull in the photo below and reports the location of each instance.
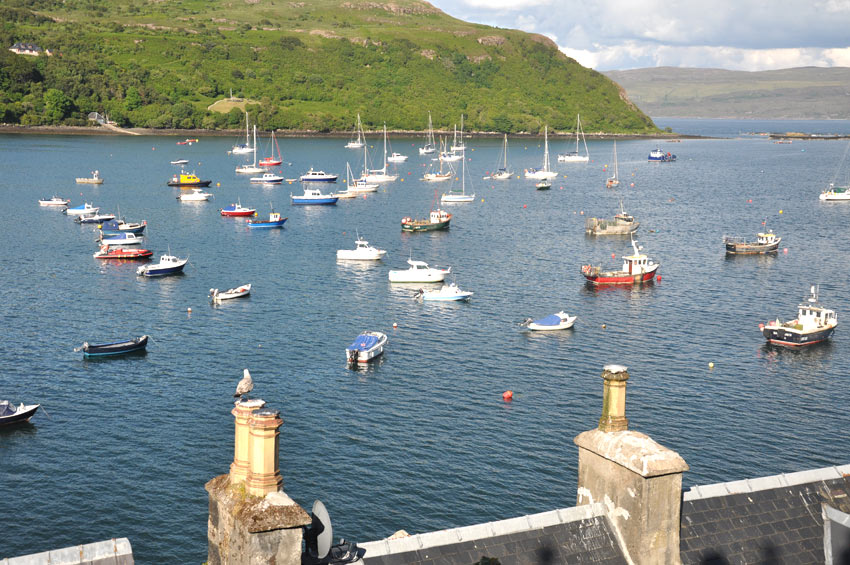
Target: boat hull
(198, 184)
(790, 337)
(301, 201)
(117, 348)
(124, 254)
(620, 277)
(262, 224)
(425, 225)
(751, 248)
(20, 417)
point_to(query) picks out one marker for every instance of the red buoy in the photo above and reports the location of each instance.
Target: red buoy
(508, 395)
(658, 278)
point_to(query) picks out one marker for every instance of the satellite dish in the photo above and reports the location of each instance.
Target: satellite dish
(319, 534)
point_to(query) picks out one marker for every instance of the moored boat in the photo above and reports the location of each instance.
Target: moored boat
(835, 193)
(217, 295)
(362, 252)
(436, 220)
(180, 162)
(558, 321)
(272, 160)
(419, 272)
(82, 209)
(123, 238)
(313, 196)
(94, 218)
(397, 158)
(168, 265)
(766, 242)
(113, 226)
(367, 346)
(238, 210)
(11, 414)
(637, 269)
(543, 185)
(814, 324)
(544, 173)
(95, 178)
(114, 348)
(187, 180)
(54, 201)
(108, 252)
(575, 156)
(620, 224)
(187, 141)
(274, 221)
(317, 176)
(446, 293)
(195, 195)
(268, 178)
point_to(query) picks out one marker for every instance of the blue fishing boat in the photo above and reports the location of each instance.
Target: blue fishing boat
(168, 265)
(114, 348)
(313, 196)
(274, 221)
(659, 156)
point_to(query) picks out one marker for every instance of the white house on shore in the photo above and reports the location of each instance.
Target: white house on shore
(29, 49)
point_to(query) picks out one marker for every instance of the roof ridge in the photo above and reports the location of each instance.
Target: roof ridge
(765, 483)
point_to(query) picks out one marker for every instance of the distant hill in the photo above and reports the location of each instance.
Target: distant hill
(310, 65)
(800, 93)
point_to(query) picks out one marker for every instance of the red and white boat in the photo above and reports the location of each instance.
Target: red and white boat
(107, 252)
(272, 161)
(637, 269)
(238, 210)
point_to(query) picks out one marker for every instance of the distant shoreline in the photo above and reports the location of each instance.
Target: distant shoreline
(190, 133)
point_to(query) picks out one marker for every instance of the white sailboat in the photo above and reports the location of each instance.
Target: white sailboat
(462, 196)
(433, 176)
(575, 156)
(459, 146)
(358, 186)
(380, 175)
(358, 141)
(243, 148)
(614, 180)
(502, 173)
(251, 168)
(430, 146)
(544, 173)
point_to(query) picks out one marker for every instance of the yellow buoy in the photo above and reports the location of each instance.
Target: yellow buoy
(710, 365)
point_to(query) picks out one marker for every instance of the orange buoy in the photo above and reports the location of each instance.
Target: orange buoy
(613, 256)
(658, 278)
(508, 395)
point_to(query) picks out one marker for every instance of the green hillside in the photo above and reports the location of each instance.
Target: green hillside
(309, 65)
(800, 93)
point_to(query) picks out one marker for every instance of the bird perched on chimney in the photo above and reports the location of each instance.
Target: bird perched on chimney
(245, 386)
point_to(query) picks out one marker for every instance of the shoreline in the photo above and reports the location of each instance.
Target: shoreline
(99, 130)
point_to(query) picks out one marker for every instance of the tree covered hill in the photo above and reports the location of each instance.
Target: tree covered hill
(307, 65)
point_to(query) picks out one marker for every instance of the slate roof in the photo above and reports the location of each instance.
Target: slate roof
(775, 519)
(580, 534)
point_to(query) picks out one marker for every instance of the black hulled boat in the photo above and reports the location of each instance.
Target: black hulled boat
(814, 324)
(115, 348)
(11, 414)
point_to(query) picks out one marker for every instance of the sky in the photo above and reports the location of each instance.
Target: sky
(744, 35)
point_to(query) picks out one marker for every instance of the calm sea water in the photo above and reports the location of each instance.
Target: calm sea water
(422, 439)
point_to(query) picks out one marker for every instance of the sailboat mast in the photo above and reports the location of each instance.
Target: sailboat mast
(506, 152)
(255, 145)
(546, 148)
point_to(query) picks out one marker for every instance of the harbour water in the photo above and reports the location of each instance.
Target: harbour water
(420, 440)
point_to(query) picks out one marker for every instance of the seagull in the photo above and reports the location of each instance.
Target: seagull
(245, 386)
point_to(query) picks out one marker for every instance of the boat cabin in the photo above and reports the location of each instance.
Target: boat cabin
(809, 314)
(634, 264)
(438, 216)
(766, 238)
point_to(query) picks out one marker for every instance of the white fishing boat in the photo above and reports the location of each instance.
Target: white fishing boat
(446, 293)
(575, 156)
(217, 295)
(430, 146)
(362, 252)
(251, 168)
(195, 195)
(502, 173)
(419, 272)
(244, 148)
(367, 346)
(614, 180)
(544, 173)
(357, 137)
(552, 322)
(461, 195)
(380, 175)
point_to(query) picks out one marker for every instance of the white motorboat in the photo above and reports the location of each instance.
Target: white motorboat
(545, 173)
(446, 293)
(268, 178)
(217, 295)
(558, 321)
(122, 239)
(313, 196)
(835, 193)
(362, 252)
(168, 265)
(82, 210)
(180, 162)
(11, 414)
(397, 158)
(419, 272)
(196, 195)
(366, 347)
(54, 201)
(318, 176)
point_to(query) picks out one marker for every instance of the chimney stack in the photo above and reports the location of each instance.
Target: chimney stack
(264, 432)
(638, 480)
(242, 411)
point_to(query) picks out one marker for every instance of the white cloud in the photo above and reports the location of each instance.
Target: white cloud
(622, 34)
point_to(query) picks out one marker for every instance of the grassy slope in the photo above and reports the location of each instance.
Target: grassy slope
(807, 92)
(315, 64)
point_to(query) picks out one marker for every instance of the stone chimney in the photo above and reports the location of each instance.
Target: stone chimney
(251, 519)
(638, 480)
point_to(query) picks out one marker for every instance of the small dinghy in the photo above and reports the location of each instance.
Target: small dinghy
(114, 348)
(366, 347)
(217, 295)
(559, 321)
(11, 414)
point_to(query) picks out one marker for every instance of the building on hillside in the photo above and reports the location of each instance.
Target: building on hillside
(29, 49)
